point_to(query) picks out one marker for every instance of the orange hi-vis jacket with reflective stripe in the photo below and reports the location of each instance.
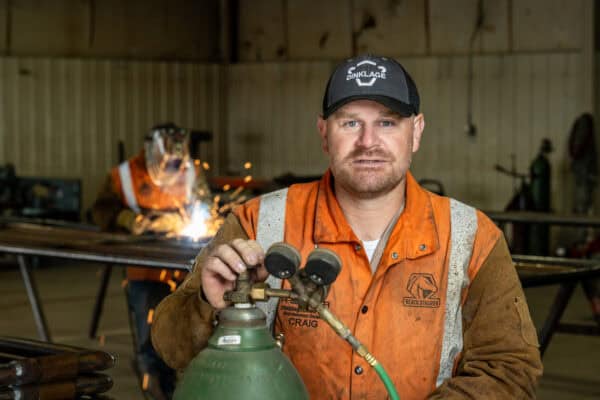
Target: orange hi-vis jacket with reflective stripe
(148, 195)
(475, 342)
(398, 313)
(150, 198)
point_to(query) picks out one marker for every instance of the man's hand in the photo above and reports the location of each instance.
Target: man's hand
(167, 222)
(223, 265)
(132, 222)
(162, 223)
(139, 225)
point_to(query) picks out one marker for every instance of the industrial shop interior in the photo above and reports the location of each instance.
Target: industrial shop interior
(294, 199)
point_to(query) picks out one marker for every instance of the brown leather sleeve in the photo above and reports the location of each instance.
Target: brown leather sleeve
(183, 322)
(107, 206)
(500, 358)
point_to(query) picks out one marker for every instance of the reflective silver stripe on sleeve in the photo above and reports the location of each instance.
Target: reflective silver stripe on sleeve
(463, 226)
(127, 186)
(270, 229)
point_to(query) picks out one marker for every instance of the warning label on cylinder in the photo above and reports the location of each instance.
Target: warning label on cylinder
(230, 340)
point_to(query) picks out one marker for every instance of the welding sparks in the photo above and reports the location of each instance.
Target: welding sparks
(204, 216)
(145, 381)
(197, 228)
(150, 316)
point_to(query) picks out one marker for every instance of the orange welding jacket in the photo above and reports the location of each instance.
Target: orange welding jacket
(398, 312)
(149, 197)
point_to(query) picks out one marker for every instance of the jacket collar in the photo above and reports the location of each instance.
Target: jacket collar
(414, 235)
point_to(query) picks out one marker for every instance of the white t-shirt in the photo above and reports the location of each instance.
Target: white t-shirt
(370, 246)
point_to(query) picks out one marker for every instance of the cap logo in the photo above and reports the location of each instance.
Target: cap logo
(364, 74)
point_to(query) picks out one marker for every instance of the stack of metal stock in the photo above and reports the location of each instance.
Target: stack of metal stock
(31, 369)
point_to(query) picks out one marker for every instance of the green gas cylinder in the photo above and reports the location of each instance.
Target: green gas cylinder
(241, 361)
(540, 171)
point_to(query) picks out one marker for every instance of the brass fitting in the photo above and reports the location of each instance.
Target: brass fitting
(258, 291)
(247, 292)
(241, 293)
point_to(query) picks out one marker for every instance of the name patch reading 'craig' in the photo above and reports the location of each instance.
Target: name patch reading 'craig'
(293, 316)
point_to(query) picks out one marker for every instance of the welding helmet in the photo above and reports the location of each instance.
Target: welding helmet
(167, 153)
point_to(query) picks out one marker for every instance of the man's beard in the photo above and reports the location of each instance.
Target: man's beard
(367, 183)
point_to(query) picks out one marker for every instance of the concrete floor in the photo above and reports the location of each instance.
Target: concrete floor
(572, 363)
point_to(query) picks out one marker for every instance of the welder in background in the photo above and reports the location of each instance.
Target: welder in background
(148, 194)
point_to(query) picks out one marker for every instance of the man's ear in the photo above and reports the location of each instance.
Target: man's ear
(418, 127)
(322, 127)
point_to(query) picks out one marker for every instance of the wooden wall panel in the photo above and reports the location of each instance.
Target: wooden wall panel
(390, 27)
(297, 30)
(452, 25)
(494, 35)
(548, 24)
(150, 29)
(4, 35)
(596, 112)
(60, 27)
(262, 30)
(319, 29)
(193, 28)
(183, 29)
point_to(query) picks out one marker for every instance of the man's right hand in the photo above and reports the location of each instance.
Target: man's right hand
(225, 262)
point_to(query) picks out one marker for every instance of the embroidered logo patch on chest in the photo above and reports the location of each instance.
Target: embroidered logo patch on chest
(422, 289)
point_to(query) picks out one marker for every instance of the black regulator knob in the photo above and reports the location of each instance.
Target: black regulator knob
(323, 266)
(282, 260)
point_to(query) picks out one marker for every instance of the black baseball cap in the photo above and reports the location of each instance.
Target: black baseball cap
(368, 77)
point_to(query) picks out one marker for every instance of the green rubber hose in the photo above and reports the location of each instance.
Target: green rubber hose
(343, 331)
(385, 378)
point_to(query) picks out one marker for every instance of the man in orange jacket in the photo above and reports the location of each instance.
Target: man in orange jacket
(148, 194)
(427, 283)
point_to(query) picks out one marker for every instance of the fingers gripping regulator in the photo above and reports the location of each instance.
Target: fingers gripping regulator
(242, 360)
